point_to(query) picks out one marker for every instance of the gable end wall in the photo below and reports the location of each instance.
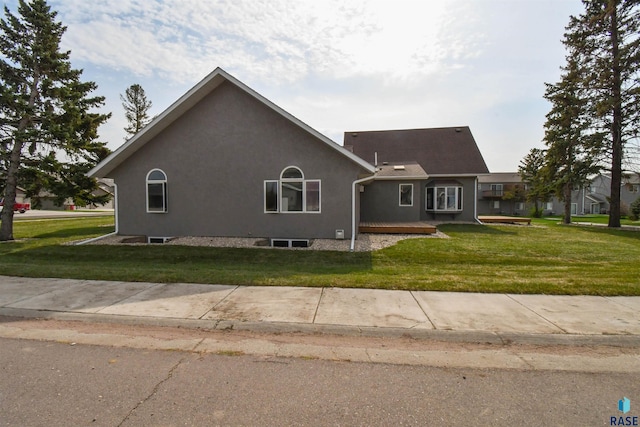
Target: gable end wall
(216, 158)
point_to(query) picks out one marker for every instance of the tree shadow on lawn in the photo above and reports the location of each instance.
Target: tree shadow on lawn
(164, 263)
(603, 230)
(497, 229)
(81, 231)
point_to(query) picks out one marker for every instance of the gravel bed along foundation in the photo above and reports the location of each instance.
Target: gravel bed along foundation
(364, 243)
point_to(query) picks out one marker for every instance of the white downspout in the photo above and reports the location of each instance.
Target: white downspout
(354, 224)
(475, 202)
(115, 207)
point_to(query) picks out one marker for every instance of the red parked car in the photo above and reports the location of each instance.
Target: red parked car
(18, 207)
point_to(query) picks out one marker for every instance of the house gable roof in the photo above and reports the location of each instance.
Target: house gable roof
(189, 100)
(440, 151)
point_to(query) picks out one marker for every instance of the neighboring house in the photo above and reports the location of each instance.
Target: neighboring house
(589, 199)
(423, 174)
(599, 189)
(502, 193)
(225, 161)
(47, 200)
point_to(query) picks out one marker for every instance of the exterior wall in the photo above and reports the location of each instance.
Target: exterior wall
(216, 158)
(380, 202)
(469, 203)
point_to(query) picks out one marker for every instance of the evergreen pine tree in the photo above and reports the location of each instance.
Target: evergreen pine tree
(136, 105)
(605, 40)
(48, 132)
(568, 159)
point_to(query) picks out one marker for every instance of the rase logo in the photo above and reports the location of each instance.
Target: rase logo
(624, 406)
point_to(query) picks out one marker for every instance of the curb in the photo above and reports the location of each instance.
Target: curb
(452, 336)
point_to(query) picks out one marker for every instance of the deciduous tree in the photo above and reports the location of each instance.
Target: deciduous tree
(531, 170)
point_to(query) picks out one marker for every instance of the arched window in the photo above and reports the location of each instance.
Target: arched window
(291, 190)
(292, 193)
(156, 191)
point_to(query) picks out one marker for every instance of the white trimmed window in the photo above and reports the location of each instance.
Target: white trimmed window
(405, 194)
(292, 193)
(444, 199)
(156, 191)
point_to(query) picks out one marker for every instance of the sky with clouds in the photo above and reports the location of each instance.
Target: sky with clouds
(336, 65)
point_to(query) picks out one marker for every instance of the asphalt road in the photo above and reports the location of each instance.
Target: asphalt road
(61, 384)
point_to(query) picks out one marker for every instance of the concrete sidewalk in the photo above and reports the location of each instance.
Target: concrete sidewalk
(467, 317)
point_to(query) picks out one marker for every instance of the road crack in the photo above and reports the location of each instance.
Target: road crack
(154, 391)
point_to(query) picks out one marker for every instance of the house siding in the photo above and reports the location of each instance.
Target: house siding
(216, 158)
(380, 202)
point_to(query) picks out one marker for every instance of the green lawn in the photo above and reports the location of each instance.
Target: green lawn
(546, 258)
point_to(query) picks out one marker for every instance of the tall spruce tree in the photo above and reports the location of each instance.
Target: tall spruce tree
(48, 132)
(569, 158)
(136, 107)
(606, 41)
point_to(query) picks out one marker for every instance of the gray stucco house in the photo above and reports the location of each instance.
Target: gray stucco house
(225, 161)
(423, 174)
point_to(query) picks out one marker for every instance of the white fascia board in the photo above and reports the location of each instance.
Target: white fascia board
(461, 175)
(401, 178)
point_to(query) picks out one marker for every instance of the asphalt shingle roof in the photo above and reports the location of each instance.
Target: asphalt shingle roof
(440, 151)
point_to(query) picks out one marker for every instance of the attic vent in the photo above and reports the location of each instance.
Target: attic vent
(398, 168)
(458, 130)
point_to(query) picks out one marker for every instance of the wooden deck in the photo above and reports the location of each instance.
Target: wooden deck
(397, 227)
(498, 219)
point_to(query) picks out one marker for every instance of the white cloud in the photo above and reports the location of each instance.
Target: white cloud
(287, 39)
(338, 64)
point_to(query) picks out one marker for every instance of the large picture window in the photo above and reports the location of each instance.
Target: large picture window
(156, 191)
(444, 199)
(292, 193)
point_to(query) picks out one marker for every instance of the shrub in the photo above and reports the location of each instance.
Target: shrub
(634, 213)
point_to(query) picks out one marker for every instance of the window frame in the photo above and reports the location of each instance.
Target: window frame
(165, 192)
(312, 205)
(400, 186)
(432, 203)
(497, 190)
(268, 203)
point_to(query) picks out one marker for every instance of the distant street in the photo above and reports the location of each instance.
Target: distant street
(63, 383)
(43, 214)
